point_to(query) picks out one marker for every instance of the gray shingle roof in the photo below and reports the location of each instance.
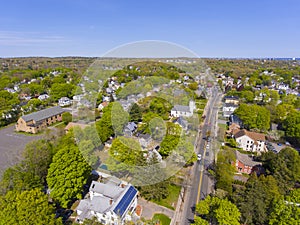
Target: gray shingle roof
(109, 189)
(246, 159)
(43, 114)
(181, 108)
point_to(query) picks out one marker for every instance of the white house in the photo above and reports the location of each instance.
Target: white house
(43, 97)
(250, 141)
(181, 110)
(113, 202)
(64, 101)
(228, 109)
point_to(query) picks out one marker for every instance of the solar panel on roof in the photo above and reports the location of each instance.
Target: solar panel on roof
(125, 201)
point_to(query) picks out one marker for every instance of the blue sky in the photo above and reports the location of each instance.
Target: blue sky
(211, 28)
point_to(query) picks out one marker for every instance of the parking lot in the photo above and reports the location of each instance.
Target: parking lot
(12, 145)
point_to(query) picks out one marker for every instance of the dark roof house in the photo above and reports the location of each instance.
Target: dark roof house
(35, 122)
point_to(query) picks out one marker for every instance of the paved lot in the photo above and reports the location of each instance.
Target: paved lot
(149, 209)
(12, 145)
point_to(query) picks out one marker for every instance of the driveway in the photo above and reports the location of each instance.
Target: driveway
(11, 146)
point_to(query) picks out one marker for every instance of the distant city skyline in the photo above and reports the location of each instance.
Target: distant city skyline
(210, 29)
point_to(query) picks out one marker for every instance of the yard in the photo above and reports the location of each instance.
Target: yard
(162, 219)
(171, 201)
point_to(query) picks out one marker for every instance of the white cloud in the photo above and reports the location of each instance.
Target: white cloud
(16, 38)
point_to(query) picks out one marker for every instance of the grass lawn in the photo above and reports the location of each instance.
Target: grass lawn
(164, 220)
(171, 201)
(222, 125)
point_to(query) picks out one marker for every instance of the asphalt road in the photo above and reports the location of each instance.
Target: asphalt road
(201, 184)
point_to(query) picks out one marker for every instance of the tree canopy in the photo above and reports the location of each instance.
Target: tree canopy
(254, 116)
(27, 207)
(217, 211)
(67, 174)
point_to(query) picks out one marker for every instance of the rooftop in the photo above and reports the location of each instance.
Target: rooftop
(253, 135)
(246, 159)
(231, 97)
(181, 108)
(43, 114)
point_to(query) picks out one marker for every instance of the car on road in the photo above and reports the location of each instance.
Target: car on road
(199, 156)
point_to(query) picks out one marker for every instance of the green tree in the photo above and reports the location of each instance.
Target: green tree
(283, 213)
(218, 211)
(28, 207)
(292, 126)
(112, 121)
(168, 144)
(31, 172)
(135, 113)
(193, 86)
(125, 154)
(156, 187)
(66, 117)
(248, 96)
(119, 117)
(256, 200)
(87, 148)
(34, 103)
(59, 90)
(285, 167)
(281, 112)
(254, 116)
(224, 170)
(67, 174)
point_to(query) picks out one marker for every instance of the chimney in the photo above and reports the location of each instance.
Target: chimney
(110, 201)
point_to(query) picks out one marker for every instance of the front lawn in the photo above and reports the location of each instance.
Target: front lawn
(171, 201)
(162, 218)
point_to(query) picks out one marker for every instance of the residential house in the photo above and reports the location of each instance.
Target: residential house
(37, 121)
(154, 153)
(233, 128)
(130, 128)
(113, 202)
(182, 122)
(102, 105)
(77, 98)
(228, 109)
(181, 110)
(231, 99)
(43, 97)
(64, 101)
(250, 141)
(145, 140)
(245, 164)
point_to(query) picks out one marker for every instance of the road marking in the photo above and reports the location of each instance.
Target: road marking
(204, 152)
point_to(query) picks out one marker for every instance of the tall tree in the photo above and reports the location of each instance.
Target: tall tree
(254, 116)
(28, 207)
(285, 167)
(292, 126)
(284, 213)
(125, 154)
(135, 113)
(218, 211)
(67, 174)
(256, 200)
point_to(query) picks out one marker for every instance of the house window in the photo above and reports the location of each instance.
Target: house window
(247, 141)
